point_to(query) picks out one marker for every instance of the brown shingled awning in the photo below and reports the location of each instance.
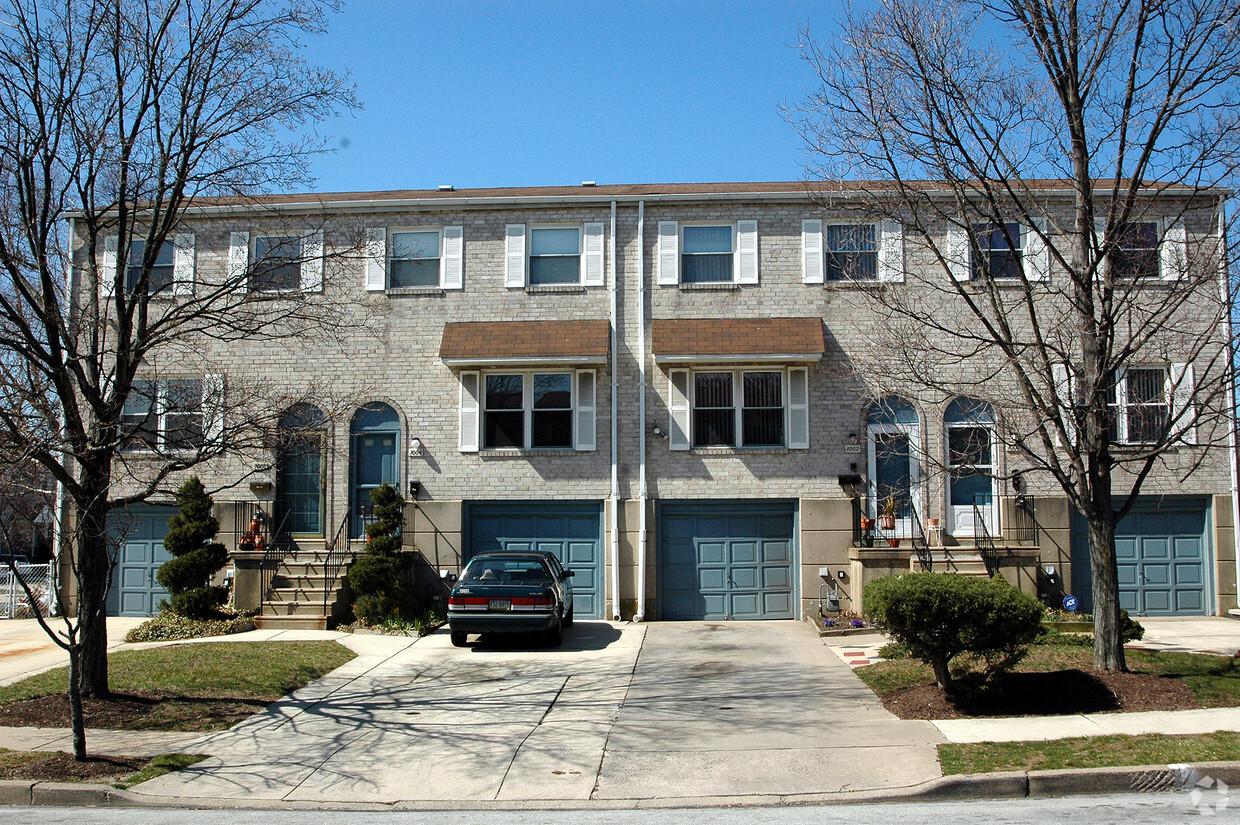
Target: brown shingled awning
(494, 343)
(722, 340)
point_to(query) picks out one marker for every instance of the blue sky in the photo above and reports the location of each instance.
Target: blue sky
(506, 93)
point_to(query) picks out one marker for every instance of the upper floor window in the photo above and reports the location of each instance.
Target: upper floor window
(163, 415)
(414, 259)
(555, 255)
(852, 252)
(996, 250)
(1140, 407)
(739, 408)
(708, 253)
(159, 278)
(277, 263)
(527, 410)
(1136, 255)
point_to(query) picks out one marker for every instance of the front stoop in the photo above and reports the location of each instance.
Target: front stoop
(295, 599)
(952, 560)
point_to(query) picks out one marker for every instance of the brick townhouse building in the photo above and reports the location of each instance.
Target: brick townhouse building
(658, 382)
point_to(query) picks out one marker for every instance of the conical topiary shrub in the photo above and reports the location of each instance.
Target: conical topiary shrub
(196, 557)
(378, 578)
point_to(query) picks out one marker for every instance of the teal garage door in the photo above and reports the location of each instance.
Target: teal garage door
(1161, 558)
(139, 533)
(727, 560)
(572, 530)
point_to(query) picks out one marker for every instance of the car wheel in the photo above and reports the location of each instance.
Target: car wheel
(568, 619)
(555, 635)
(458, 638)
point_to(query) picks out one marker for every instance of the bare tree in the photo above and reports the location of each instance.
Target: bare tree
(116, 116)
(1058, 168)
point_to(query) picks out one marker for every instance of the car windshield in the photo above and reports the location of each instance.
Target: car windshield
(498, 570)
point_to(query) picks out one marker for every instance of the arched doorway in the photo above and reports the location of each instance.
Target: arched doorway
(373, 436)
(892, 450)
(970, 467)
(299, 471)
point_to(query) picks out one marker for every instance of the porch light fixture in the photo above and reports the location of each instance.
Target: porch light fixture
(414, 488)
(850, 483)
(843, 574)
(415, 446)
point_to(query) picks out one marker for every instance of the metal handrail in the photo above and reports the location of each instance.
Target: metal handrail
(983, 539)
(334, 562)
(918, 539)
(278, 548)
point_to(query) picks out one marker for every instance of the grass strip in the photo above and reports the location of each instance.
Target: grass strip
(160, 765)
(1089, 752)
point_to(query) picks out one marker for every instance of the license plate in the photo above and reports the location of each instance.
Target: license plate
(499, 604)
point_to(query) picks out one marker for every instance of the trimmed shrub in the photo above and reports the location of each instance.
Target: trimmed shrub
(378, 578)
(196, 557)
(938, 616)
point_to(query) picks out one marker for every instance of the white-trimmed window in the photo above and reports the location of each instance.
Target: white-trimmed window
(1140, 405)
(852, 252)
(751, 407)
(996, 251)
(276, 266)
(837, 252)
(528, 410)
(172, 271)
(704, 252)
(159, 278)
(414, 258)
(164, 415)
(1136, 255)
(554, 255)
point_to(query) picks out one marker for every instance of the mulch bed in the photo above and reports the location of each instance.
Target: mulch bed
(62, 767)
(132, 711)
(1055, 693)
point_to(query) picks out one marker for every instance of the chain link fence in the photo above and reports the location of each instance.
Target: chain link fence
(14, 603)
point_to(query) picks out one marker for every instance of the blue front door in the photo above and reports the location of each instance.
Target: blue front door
(727, 560)
(139, 536)
(374, 462)
(572, 530)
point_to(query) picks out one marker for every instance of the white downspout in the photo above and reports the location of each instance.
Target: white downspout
(641, 411)
(615, 471)
(1225, 290)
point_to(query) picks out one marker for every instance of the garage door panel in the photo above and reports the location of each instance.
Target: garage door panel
(1128, 601)
(1125, 548)
(743, 560)
(139, 533)
(679, 552)
(1156, 601)
(1156, 575)
(1189, 601)
(1155, 548)
(1188, 575)
(1127, 574)
(1186, 547)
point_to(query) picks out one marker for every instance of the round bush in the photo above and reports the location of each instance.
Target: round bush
(938, 616)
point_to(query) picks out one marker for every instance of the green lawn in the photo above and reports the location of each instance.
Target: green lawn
(263, 671)
(1089, 752)
(158, 766)
(1214, 680)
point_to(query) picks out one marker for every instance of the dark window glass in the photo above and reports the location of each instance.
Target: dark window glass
(852, 252)
(183, 414)
(277, 264)
(415, 259)
(968, 446)
(762, 412)
(997, 250)
(555, 256)
(714, 416)
(1148, 413)
(706, 256)
(140, 417)
(552, 417)
(160, 276)
(1137, 255)
(504, 419)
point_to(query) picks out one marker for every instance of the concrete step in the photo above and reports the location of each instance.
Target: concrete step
(284, 595)
(297, 579)
(293, 608)
(306, 622)
(967, 564)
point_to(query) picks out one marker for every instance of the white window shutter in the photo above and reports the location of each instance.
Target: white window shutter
(798, 408)
(1100, 232)
(811, 252)
(213, 409)
(678, 409)
(1182, 409)
(669, 253)
(747, 252)
(1173, 252)
(1065, 391)
(452, 261)
(183, 264)
(1035, 252)
(107, 268)
(514, 255)
(312, 262)
(470, 391)
(376, 259)
(592, 255)
(238, 257)
(891, 251)
(584, 427)
(957, 253)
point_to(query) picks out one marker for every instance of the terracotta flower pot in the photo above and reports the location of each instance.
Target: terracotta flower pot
(893, 542)
(887, 522)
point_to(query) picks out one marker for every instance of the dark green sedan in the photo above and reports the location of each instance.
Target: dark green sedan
(512, 592)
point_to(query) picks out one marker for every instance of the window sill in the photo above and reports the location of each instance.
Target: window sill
(538, 288)
(397, 291)
(854, 284)
(710, 286)
(514, 452)
(739, 451)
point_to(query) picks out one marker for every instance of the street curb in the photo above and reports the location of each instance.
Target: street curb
(999, 785)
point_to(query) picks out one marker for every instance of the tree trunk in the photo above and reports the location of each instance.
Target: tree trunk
(1108, 641)
(943, 675)
(94, 575)
(75, 702)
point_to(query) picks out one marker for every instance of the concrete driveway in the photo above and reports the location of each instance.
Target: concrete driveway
(621, 712)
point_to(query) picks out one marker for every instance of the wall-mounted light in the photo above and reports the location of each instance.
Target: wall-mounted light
(658, 433)
(414, 488)
(415, 446)
(843, 574)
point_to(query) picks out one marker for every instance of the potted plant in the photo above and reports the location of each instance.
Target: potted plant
(887, 517)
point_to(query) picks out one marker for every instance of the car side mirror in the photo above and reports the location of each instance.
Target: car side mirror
(567, 574)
